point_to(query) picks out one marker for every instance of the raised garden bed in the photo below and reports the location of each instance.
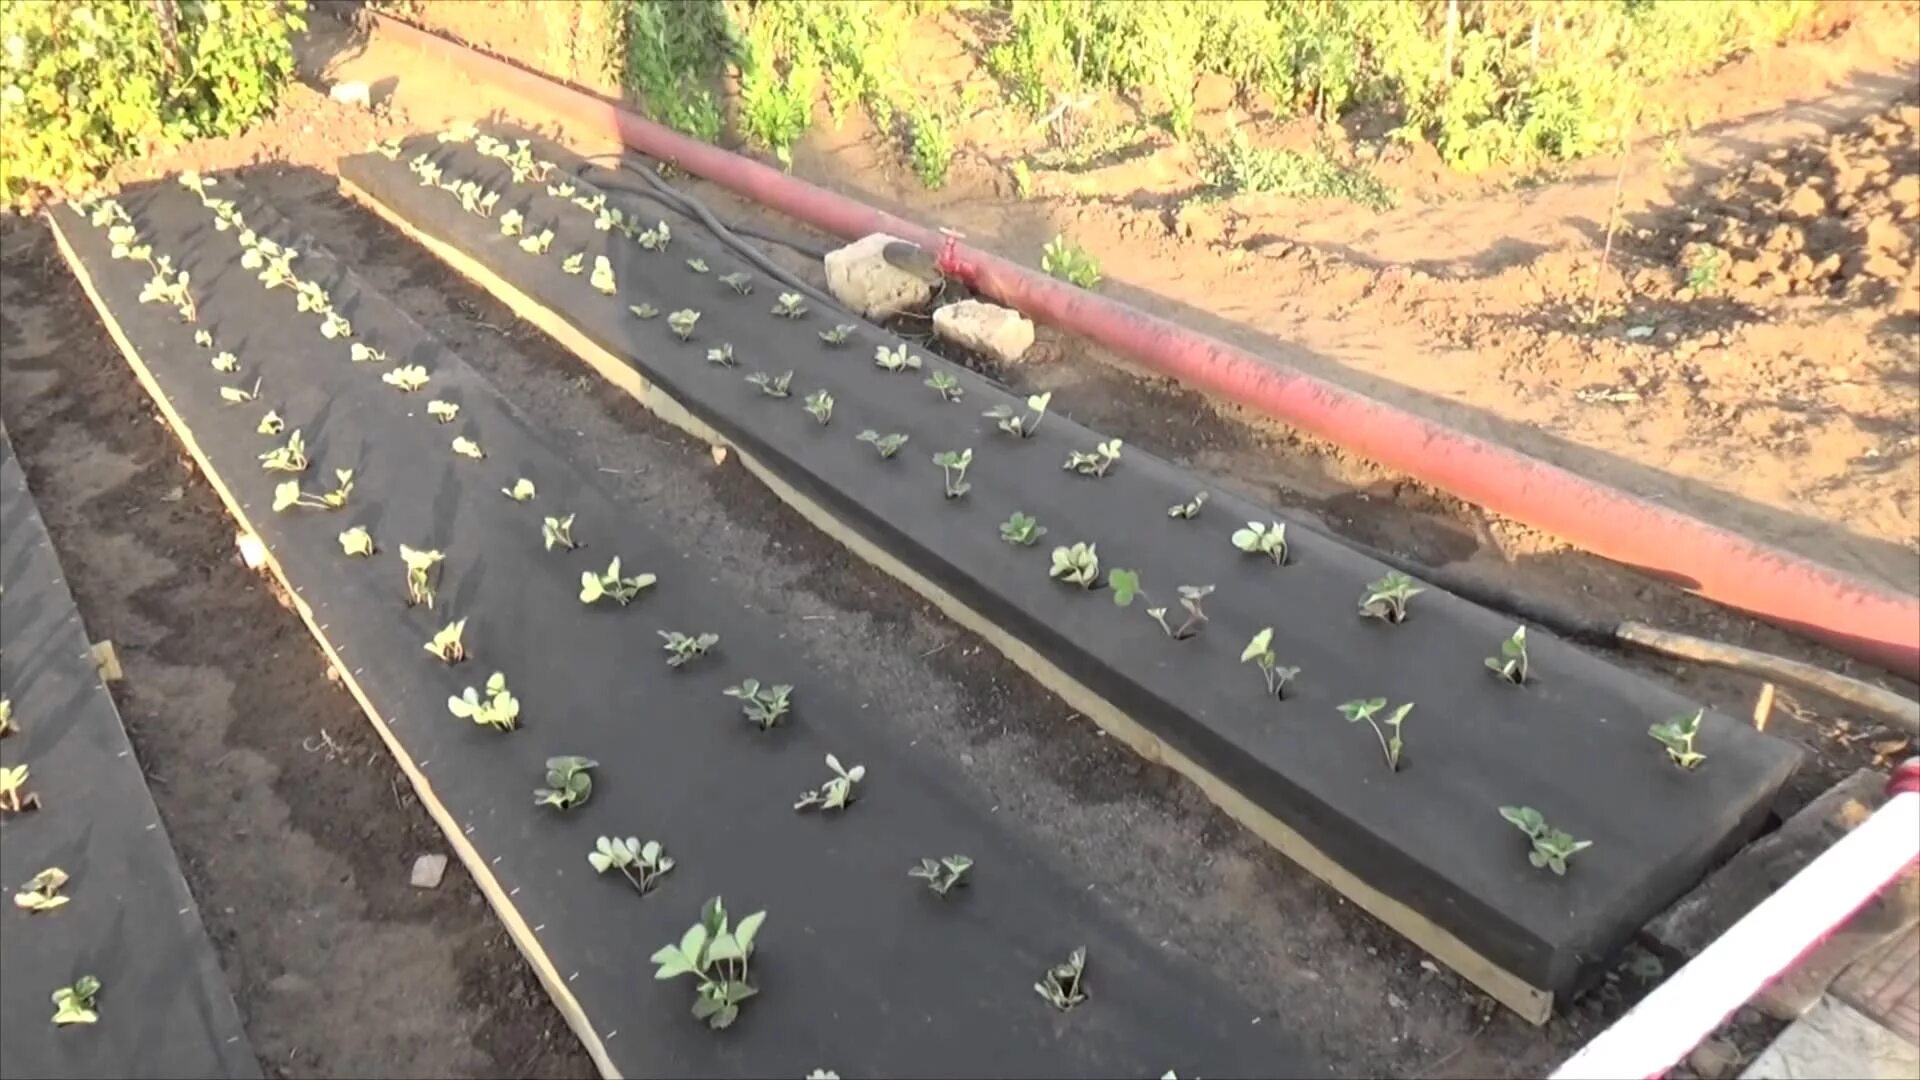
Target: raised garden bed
(1423, 845)
(112, 905)
(859, 967)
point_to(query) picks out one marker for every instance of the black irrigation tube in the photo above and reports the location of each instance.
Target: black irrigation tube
(1574, 744)
(860, 968)
(163, 1008)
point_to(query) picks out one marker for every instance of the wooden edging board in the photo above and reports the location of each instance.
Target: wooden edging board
(860, 968)
(1423, 849)
(130, 920)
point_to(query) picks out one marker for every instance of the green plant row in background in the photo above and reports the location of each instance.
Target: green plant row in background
(86, 85)
(1488, 82)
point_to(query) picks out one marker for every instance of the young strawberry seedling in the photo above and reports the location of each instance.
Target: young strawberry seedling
(574, 263)
(75, 1004)
(942, 875)
(790, 306)
(643, 311)
(1097, 463)
(271, 424)
(1511, 664)
(569, 783)
(308, 296)
(446, 643)
(357, 542)
(698, 266)
(420, 566)
(6, 717)
(820, 405)
(837, 336)
(365, 354)
(1019, 425)
(42, 892)
(1022, 529)
(683, 649)
(609, 219)
(896, 359)
(561, 190)
(738, 282)
(885, 445)
(766, 706)
(289, 494)
(498, 710)
(1551, 847)
(225, 363)
(14, 796)
(289, 458)
(240, 395)
(1368, 709)
(334, 326)
(836, 793)
(718, 959)
(602, 276)
(1677, 736)
(771, 385)
(641, 864)
(622, 589)
(466, 447)
(203, 339)
(537, 244)
(521, 491)
(1126, 584)
(169, 286)
(953, 469)
(722, 356)
(1190, 509)
(443, 411)
(557, 532)
(946, 386)
(510, 223)
(682, 323)
(1076, 565)
(406, 378)
(657, 238)
(1260, 652)
(1269, 540)
(1386, 599)
(1061, 986)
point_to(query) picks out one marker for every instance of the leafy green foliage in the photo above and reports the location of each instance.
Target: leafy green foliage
(611, 584)
(291, 457)
(42, 891)
(837, 792)
(1062, 985)
(521, 491)
(721, 354)
(766, 706)
(738, 282)
(75, 1004)
(953, 467)
(1259, 652)
(837, 336)
(557, 532)
(420, 566)
(1190, 509)
(1268, 539)
(357, 542)
(466, 447)
(1076, 565)
(1369, 710)
(1239, 167)
(719, 960)
(289, 495)
(1678, 735)
(820, 404)
(447, 643)
(772, 385)
(443, 411)
(497, 709)
(602, 276)
(1511, 664)
(87, 85)
(14, 796)
(1022, 529)
(1551, 847)
(885, 445)
(569, 782)
(1070, 263)
(682, 323)
(683, 649)
(642, 864)
(1096, 463)
(895, 359)
(1017, 424)
(942, 875)
(930, 147)
(1386, 599)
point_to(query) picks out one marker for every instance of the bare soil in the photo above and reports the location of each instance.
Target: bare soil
(302, 867)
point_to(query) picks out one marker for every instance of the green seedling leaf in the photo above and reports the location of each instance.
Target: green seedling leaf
(820, 404)
(698, 266)
(1021, 529)
(75, 1004)
(271, 424)
(835, 337)
(466, 447)
(203, 339)
(1386, 599)
(225, 362)
(510, 223)
(235, 395)
(537, 244)
(357, 542)
(953, 467)
(14, 796)
(1062, 986)
(1125, 585)
(494, 707)
(1677, 736)
(289, 458)
(574, 263)
(602, 276)
(334, 326)
(407, 378)
(443, 411)
(895, 359)
(942, 875)
(836, 793)
(366, 354)
(446, 643)
(738, 282)
(1259, 652)
(1189, 509)
(719, 962)
(682, 323)
(1268, 539)
(765, 706)
(557, 532)
(945, 385)
(611, 584)
(1369, 710)
(42, 891)
(643, 311)
(1094, 464)
(791, 306)
(420, 566)
(1551, 847)
(1076, 565)
(521, 491)
(683, 649)
(569, 783)
(771, 385)
(1511, 664)
(885, 445)
(642, 864)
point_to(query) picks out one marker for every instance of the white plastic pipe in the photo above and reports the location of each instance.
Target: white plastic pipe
(1672, 1020)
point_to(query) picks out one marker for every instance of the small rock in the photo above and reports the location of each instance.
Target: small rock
(862, 278)
(252, 551)
(1396, 1001)
(987, 328)
(1429, 967)
(719, 453)
(1639, 331)
(351, 93)
(428, 870)
(1714, 1059)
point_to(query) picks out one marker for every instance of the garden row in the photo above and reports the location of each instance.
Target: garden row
(1390, 737)
(108, 969)
(667, 808)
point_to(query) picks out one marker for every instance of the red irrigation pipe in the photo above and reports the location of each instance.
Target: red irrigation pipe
(1878, 625)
